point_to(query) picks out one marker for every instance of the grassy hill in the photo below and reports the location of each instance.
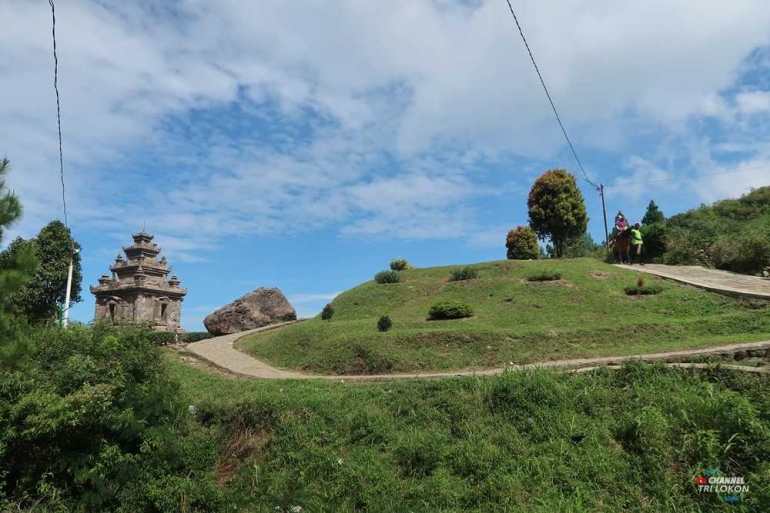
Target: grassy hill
(731, 234)
(586, 313)
(630, 440)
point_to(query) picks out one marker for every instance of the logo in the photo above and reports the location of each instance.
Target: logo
(727, 488)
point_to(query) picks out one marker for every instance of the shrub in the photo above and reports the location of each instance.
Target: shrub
(545, 276)
(464, 273)
(522, 244)
(327, 312)
(400, 264)
(746, 253)
(450, 310)
(195, 336)
(160, 337)
(643, 290)
(387, 277)
(654, 236)
(384, 324)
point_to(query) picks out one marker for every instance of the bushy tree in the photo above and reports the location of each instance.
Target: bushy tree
(583, 246)
(653, 214)
(44, 295)
(522, 244)
(15, 271)
(557, 209)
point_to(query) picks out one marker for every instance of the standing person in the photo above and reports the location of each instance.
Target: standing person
(637, 243)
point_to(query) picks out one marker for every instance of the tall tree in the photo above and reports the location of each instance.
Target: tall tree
(557, 209)
(41, 298)
(653, 214)
(15, 271)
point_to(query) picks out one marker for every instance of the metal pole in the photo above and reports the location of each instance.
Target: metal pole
(65, 320)
(604, 211)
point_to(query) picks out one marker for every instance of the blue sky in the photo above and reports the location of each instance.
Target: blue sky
(305, 144)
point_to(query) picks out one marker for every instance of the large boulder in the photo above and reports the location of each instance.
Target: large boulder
(256, 309)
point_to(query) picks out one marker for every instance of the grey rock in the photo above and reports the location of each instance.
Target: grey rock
(260, 308)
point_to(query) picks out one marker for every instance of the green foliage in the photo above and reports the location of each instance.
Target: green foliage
(522, 244)
(653, 215)
(627, 440)
(643, 290)
(654, 236)
(194, 336)
(92, 419)
(557, 209)
(464, 273)
(583, 246)
(387, 277)
(730, 234)
(328, 312)
(39, 298)
(545, 275)
(450, 310)
(400, 264)
(16, 270)
(384, 323)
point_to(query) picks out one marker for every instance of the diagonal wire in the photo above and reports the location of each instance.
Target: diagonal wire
(58, 109)
(574, 153)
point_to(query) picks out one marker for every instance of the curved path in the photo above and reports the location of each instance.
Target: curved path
(220, 352)
(721, 282)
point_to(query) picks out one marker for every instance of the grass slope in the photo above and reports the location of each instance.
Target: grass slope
(586, 313)
(629, 440)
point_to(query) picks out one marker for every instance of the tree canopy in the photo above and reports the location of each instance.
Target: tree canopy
(41, 297)
(653, 214)
(557, 209)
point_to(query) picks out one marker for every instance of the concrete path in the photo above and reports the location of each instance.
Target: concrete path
(220, 352)
(721, 282)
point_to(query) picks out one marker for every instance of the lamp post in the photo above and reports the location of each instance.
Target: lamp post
(66, 315)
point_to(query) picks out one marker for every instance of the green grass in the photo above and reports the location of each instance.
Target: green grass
(629, 440)
(585, 313)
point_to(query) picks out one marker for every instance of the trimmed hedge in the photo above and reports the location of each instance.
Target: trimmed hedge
(545, 276)
(400, 264)
(387, 277)
(450, 310)
(384, 324)
(464, 273)
(167, 337)
(643, 290)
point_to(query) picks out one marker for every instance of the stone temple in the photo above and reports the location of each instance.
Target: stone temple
(138, 291)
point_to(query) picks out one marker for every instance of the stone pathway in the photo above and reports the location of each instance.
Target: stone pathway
(221, 353)
(722, 282)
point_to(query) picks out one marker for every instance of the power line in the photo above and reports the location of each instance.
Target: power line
(687, 177)
(574, 153)
(58, 109)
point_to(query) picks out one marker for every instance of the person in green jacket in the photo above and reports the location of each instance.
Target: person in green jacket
(637, 243)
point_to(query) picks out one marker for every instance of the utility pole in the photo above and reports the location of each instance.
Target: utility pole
(604, 211)
(66, 316)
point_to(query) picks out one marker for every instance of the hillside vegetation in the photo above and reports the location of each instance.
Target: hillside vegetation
(732, 234)
(585, 313)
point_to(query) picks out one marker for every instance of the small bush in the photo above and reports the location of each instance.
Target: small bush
(160, 337)
(545, 276)
(643, 290)
(387, 277)
(384, 324)
(450, 310)
(195, 336)
(464, 273)
(522, 244)
(400, 264)
(327, 312)
(640, 282)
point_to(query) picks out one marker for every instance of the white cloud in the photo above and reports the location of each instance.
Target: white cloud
(358, 97)
(752, 102)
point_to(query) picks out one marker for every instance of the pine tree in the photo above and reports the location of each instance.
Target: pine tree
(653, 214)
(16, 270)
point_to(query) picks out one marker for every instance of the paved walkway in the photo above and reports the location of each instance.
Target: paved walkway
(220, 352)
(722, 282)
